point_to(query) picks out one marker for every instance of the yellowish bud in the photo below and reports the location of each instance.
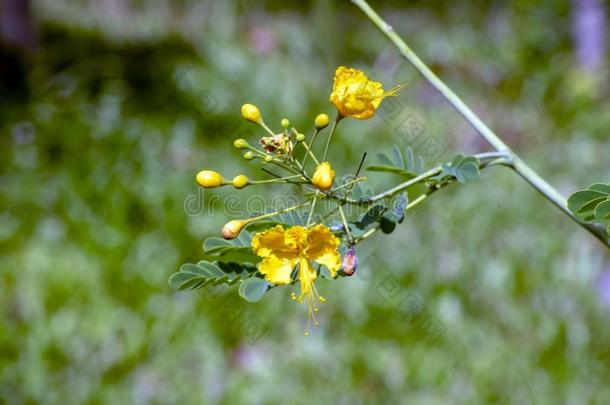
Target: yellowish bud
(240, 181)
(251, 113)
(232, 228)
(285, 123)
(323, 177)
(249, 155)
(322, 121)
(209, 179)
(240, 144)
(300, 137)
(268, 158)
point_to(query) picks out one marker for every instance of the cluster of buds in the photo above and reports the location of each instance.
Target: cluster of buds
(279, 143)
(276, 148)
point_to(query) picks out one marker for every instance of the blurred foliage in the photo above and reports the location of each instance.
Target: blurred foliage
(103, 129)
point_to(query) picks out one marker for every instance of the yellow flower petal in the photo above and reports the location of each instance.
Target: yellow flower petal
(276, 270)
(273, 241)
(323, 248)
(296, 238)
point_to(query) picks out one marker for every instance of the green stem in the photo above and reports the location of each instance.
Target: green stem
(496, 158)
(526, 172)
(277, 180)
(313, 205)
(332, 132)
(345, 224)
(313, 139)
(309, 153)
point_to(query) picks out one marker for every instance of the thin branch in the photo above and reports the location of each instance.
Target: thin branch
(497, 158)
(526, 172)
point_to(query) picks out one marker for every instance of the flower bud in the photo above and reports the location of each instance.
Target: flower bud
(240, 144)
(232, 228)
(323, 177)
(268, 158)
(251, 113)
(209, 179)
(321, 121)
(350, 261)
(240, 181)
(300, 137)
(285, 123)
(249, 155)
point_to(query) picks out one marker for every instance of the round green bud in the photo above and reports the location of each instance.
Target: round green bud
(285, 123)
(240, 143)
(249, 155)
(268, 158)
(300, 137)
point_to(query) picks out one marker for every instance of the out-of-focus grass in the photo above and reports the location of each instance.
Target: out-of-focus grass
(97, 164)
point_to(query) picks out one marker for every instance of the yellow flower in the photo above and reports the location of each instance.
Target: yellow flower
(282, 249)
(355, 95)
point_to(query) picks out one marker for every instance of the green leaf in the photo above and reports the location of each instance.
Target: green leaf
(184, 280)
(583, 203)
(387, 224)
(410, 164)
(398, 159)
(194, 268)
(601, 187)
(233, 268)
(212, 244)
(236, 250)
(371, 216)
(204, 273)
(211, 270)
(384, 159)
(252, 289)
(457, 160)
(468, 172)
(419, 165)
(602, 212)
(408, 175)
(189, 276)
(471, 159)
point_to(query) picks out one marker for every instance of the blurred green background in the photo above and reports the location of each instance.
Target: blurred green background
(109, 108)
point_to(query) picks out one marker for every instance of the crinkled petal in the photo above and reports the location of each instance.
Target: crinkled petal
(323, 248)
(296, 238)
(273, 242)
(276, 270)
(354, 95)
